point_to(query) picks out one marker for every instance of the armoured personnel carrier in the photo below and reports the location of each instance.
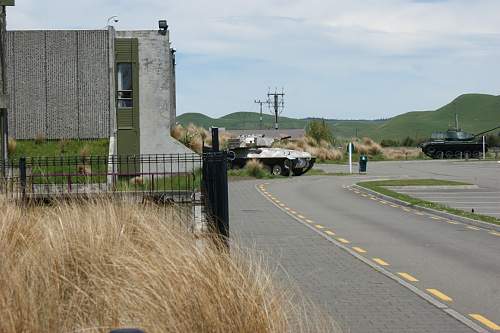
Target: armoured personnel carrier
(454, 143)
(278, 161)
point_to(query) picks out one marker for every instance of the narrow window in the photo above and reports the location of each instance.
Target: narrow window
(125, 93)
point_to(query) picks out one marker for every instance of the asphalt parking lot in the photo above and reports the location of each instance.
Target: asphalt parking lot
(482, 200)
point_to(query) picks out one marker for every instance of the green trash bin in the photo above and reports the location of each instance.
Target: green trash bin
(363, 161)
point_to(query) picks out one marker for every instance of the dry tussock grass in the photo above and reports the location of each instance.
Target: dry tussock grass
(193, 137)
(368, 147)
(102, 265)
(255, 168)
(322, 150)
(11, 145)
(402, 153)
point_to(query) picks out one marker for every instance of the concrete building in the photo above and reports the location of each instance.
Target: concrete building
(90, 84)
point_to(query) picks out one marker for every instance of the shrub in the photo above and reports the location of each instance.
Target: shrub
(389, 143)
(319, 130)
(85, 152)
(11, 146)
(408, 142)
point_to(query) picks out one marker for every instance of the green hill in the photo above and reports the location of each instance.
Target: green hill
(239, 120)
(476, 112)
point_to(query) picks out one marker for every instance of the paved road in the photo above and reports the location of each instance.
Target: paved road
(360, 298)
(454, 264)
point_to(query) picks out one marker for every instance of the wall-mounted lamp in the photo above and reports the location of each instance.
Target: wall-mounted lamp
(163, 26)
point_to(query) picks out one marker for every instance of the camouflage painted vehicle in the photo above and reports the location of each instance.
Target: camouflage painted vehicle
(455, 143)
(278, 161)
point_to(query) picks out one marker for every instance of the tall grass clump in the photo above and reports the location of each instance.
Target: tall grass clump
(255, 168)
(91, 267)
(11, 146)
(194, 137)
(368, 147)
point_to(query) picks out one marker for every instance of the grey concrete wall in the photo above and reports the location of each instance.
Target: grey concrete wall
(156, 93)
(59, 84)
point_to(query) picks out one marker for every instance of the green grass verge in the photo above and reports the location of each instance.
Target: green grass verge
(380, 187)
(31, 148)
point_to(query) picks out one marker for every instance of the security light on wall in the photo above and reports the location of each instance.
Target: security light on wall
(163, 26)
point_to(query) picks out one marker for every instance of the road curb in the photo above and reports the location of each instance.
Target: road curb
(465, 220)
(441, 306)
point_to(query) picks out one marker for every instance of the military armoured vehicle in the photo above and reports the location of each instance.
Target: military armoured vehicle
(278, 161)
(454, 143)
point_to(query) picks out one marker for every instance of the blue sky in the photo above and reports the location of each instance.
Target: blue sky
(345, 59)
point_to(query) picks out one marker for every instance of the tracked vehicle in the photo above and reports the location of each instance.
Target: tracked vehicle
(454, 143)
(278, 161)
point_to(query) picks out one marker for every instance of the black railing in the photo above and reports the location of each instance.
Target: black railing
(174, 177)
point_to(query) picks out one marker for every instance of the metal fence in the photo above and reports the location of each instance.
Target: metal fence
(197, 184)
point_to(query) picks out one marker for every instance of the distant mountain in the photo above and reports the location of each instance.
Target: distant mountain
(476, 112)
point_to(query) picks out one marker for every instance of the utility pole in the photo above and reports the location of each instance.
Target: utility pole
(276, 102)
(4, 98)
(260, 103)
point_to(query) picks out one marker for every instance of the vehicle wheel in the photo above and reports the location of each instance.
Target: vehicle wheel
(448, 154)
(438, 155)
(298, 172)
(277, 170)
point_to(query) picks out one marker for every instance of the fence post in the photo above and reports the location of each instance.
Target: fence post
(215, 188)
(22, 177)
(215, 139)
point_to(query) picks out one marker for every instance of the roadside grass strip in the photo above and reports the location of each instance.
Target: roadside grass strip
(408, 277)
(380, 186)
(485, 321)
(440, 295)
(380, 262)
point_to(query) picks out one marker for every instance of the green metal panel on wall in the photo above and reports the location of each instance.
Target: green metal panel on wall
(127, 52)
(7, 2)
(127, 117)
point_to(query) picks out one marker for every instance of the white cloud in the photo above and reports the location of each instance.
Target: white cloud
(320, 42)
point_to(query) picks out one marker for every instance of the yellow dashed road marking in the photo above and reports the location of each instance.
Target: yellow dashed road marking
(277, 201)
(435, 218)
(364, 195)
(452, 222)
(282, 205)
(419, 213)
(494, 233)
(394, 206)
(357, 192)
(473, 228)
(331, 233)
(384, 202)
(358, 249)
(309, 221)
(440, 295)
(380, 262)
(343, 240)
(486, 322)
(406, 210)
(408, 277)
(301, 216)
(319, 226)
(286, 208)
(372, 198)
